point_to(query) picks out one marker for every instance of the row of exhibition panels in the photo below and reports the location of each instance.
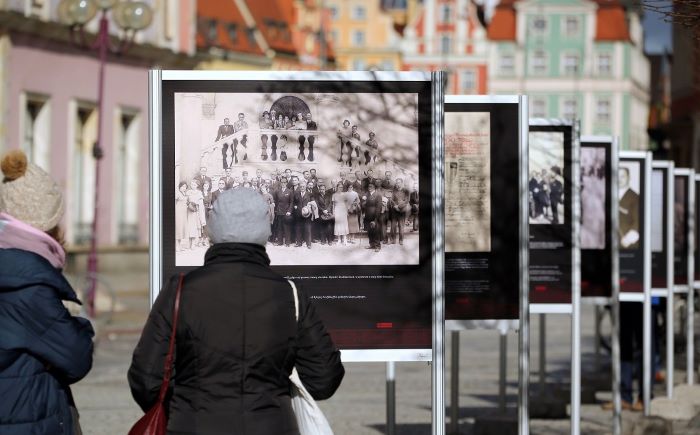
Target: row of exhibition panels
(518, 216)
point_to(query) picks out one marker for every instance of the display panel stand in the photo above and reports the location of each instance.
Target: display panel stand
(600, 302)
(161, 111)
(666, 168)
(644, 158)
(688, 286)
(503, 324)
(574, 308)
(438, 367)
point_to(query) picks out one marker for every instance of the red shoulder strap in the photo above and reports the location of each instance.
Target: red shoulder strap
(168, 368)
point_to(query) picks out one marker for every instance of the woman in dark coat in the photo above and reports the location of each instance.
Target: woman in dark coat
(43, 349)
(237, 337)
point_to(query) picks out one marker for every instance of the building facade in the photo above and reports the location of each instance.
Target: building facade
(449, 35)
(48, 99)
(271, 35)
(363, 36)
(579, 59)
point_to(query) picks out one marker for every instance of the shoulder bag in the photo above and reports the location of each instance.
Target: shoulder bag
(310, 419)
(154, 422)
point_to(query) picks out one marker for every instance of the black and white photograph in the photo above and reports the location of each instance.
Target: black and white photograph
(593, 194)
(629, 204)
(546, 180)
(339, 171)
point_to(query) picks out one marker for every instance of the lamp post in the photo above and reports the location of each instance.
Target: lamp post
(130, 16)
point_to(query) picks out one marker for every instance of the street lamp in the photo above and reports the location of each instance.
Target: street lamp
(130, 16)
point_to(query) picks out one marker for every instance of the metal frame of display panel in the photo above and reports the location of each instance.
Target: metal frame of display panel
(574, 309)
(645, 296)
(614, 300)
(668, 292)
(690, 285)
(436, 354)
(523, 324)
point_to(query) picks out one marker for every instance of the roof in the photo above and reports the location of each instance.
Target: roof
(275, 18)
(222, 25)
(502, 25)
(611, 21)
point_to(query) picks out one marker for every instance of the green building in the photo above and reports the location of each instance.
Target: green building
(574, 59)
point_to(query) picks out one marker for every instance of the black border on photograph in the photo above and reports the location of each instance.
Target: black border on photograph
(597, 264)
(378, 307)
(491, 290)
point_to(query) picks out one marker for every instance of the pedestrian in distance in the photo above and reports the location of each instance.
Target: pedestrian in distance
(43, 349)
(237, 336)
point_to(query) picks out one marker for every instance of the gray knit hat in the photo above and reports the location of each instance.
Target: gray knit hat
(239, 215)
(28, 193)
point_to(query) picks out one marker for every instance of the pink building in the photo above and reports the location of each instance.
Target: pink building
(48, 102)
(449, 35)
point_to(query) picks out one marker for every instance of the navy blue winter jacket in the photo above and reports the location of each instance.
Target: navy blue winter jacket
(43, 349)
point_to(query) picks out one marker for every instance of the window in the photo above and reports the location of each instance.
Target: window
(335, 12)
(538, 108)
(468, 81)
(127, 170)
(387, 65)
(36, 129)
(602, 110)
(445, 13)
(506, 64)
(569, 107)
(358, 37)
(571, 26)
(571, 64)
(250, 35)
(334, 36)
(604, 64)
(232, 32)
(83, 169)
(359, 12)
(539, 24)
(212, 31)
(359, 65)
(539, 62)
(445, 44)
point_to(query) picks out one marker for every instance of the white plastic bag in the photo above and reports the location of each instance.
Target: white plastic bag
(310, 419)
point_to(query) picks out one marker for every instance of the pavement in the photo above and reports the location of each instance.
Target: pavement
(359, 406)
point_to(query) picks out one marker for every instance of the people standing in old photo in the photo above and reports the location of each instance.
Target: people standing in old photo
(314, 158)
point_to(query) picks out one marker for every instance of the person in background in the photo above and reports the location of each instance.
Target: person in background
(207, 201)
(236, 344)
(352, 202)
(181, 215)
(225, 130)
(413, 200)
(372, 205)
(325, 210)
(195, 214)
(340, 212)
(202, 178)
(43, 349)
(215, 194)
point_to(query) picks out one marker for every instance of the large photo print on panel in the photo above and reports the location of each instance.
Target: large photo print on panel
(339, 172)
(546, 182)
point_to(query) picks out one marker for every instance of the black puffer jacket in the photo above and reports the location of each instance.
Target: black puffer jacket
(237, 342)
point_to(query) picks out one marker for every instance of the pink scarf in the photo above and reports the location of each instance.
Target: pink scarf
(15, 234)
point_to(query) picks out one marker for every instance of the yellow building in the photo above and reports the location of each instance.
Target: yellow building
(363, 35)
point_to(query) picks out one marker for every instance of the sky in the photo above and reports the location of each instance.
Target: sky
(657, 33)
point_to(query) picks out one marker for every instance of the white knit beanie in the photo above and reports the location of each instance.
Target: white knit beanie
(28, 193)
(239, 215)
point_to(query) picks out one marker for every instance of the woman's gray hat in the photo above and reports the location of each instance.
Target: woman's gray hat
(28, 193)
(240, 215)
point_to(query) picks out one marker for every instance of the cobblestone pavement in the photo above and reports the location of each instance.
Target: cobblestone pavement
(358, 407)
